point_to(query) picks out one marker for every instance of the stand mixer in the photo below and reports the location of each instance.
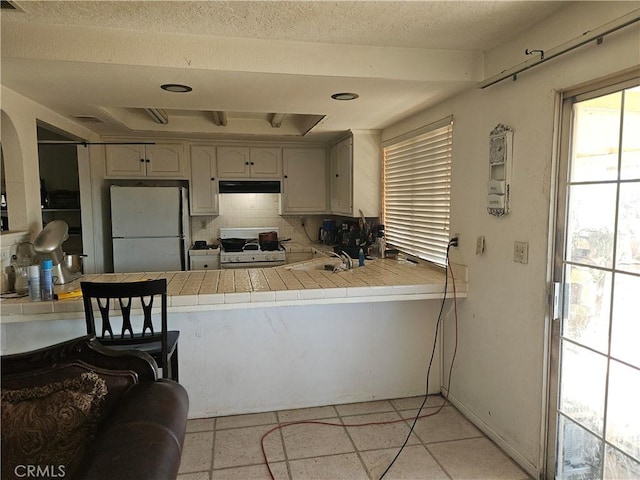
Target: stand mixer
(48, 244)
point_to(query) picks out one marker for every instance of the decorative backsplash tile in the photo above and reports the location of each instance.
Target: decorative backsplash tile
(256, 210)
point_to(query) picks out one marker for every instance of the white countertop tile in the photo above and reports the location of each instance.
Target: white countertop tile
(300, 282)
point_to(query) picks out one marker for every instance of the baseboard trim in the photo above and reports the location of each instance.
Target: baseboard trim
(526, 465)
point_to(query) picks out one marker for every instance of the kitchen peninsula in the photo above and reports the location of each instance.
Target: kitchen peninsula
(292, 336)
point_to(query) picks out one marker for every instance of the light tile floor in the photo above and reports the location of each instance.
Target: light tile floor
(443, 446)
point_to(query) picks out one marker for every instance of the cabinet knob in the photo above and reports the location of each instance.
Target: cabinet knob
(337, 175)
(212, 179)
(246, 163)
(148, 161)
(252, 163)
(142, 160)
(286, 176)
(206, 265)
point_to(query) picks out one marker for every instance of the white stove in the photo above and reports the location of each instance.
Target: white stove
(250, 255)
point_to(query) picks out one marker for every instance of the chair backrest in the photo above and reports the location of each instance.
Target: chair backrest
(106, 294)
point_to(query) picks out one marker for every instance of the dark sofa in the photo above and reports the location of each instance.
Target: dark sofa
(77, 410)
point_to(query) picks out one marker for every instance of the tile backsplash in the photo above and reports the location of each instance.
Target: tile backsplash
(256, 210)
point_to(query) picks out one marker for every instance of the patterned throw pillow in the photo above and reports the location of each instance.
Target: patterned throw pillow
(47, 429)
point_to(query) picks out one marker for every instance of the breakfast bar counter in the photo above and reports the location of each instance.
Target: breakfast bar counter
(254, 340)
(298, 283)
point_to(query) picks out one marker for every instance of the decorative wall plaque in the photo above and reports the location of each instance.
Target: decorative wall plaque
(500, 159)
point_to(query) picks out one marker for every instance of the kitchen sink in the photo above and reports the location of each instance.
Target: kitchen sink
(317, 264)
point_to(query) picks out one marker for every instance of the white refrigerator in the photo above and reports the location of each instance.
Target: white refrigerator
(149, 228)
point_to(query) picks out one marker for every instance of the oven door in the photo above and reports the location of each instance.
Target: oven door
(268, 264)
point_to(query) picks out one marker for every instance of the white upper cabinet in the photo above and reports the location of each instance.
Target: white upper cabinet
(162, 160)
(304, 188)
(340, 174)
(249, 162)
(266, 162)
(204, 184)
(355, 174)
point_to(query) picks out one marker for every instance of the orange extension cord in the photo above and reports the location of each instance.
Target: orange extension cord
(388, 422)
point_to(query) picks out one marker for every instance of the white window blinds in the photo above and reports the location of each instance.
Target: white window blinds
(417, 191)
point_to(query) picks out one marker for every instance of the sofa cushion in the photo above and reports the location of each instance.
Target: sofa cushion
(50, 426)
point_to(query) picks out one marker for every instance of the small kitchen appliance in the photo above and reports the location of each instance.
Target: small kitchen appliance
(241, 248)
(48, 244)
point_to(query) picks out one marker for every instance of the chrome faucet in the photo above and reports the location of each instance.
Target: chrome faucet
(346, 259)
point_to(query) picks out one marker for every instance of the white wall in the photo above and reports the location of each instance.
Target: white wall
(20, 148)
(499, 375)
(20, 152)
(244, 360)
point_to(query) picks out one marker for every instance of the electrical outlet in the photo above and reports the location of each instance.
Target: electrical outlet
(521, 252)
(480, 245)
(5, 255)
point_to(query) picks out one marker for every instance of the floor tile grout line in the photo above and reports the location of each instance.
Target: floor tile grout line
(424, 445)
(356, 450)
(437, 461)
(284, 447)
(213, 448)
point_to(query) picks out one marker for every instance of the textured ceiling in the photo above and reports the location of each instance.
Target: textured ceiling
(453, 25)
(107, 59)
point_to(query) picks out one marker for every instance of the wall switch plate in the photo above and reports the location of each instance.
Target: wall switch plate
(480, 245)
(521, 252)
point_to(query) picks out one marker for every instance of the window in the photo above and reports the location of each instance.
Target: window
(417, 191)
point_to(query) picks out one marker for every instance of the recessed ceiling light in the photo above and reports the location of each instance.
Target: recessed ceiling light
(345, 96)
(176, 88)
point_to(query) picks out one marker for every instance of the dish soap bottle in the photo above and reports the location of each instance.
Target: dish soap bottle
(361, 258)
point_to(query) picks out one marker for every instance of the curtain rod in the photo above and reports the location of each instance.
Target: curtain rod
(587, 37)
(84, 144)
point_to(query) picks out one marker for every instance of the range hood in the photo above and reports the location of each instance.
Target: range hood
(249, 186)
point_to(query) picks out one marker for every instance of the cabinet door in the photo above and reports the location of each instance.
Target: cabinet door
(341, 177)
(233, 162)
(203, 191)
(304, 186)
(265, 162)
(204, 262)
(166, 160)
(125, 161)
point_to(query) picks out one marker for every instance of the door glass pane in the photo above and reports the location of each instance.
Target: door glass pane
(630, 138)
(628, 245)
(596, 139)
(579, 452)
(625, 332)
(623, 412)
(582, 391)
(586, 319)
(618, 466)
(591, 224)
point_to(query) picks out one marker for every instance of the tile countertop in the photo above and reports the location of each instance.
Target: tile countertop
(297, 283)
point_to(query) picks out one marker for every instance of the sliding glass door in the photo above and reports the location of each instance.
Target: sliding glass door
(595, 418)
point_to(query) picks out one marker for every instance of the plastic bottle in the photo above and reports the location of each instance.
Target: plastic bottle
(361, 258)
(21, 278)
(35, 293)
(382, 246)
(47, 280)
